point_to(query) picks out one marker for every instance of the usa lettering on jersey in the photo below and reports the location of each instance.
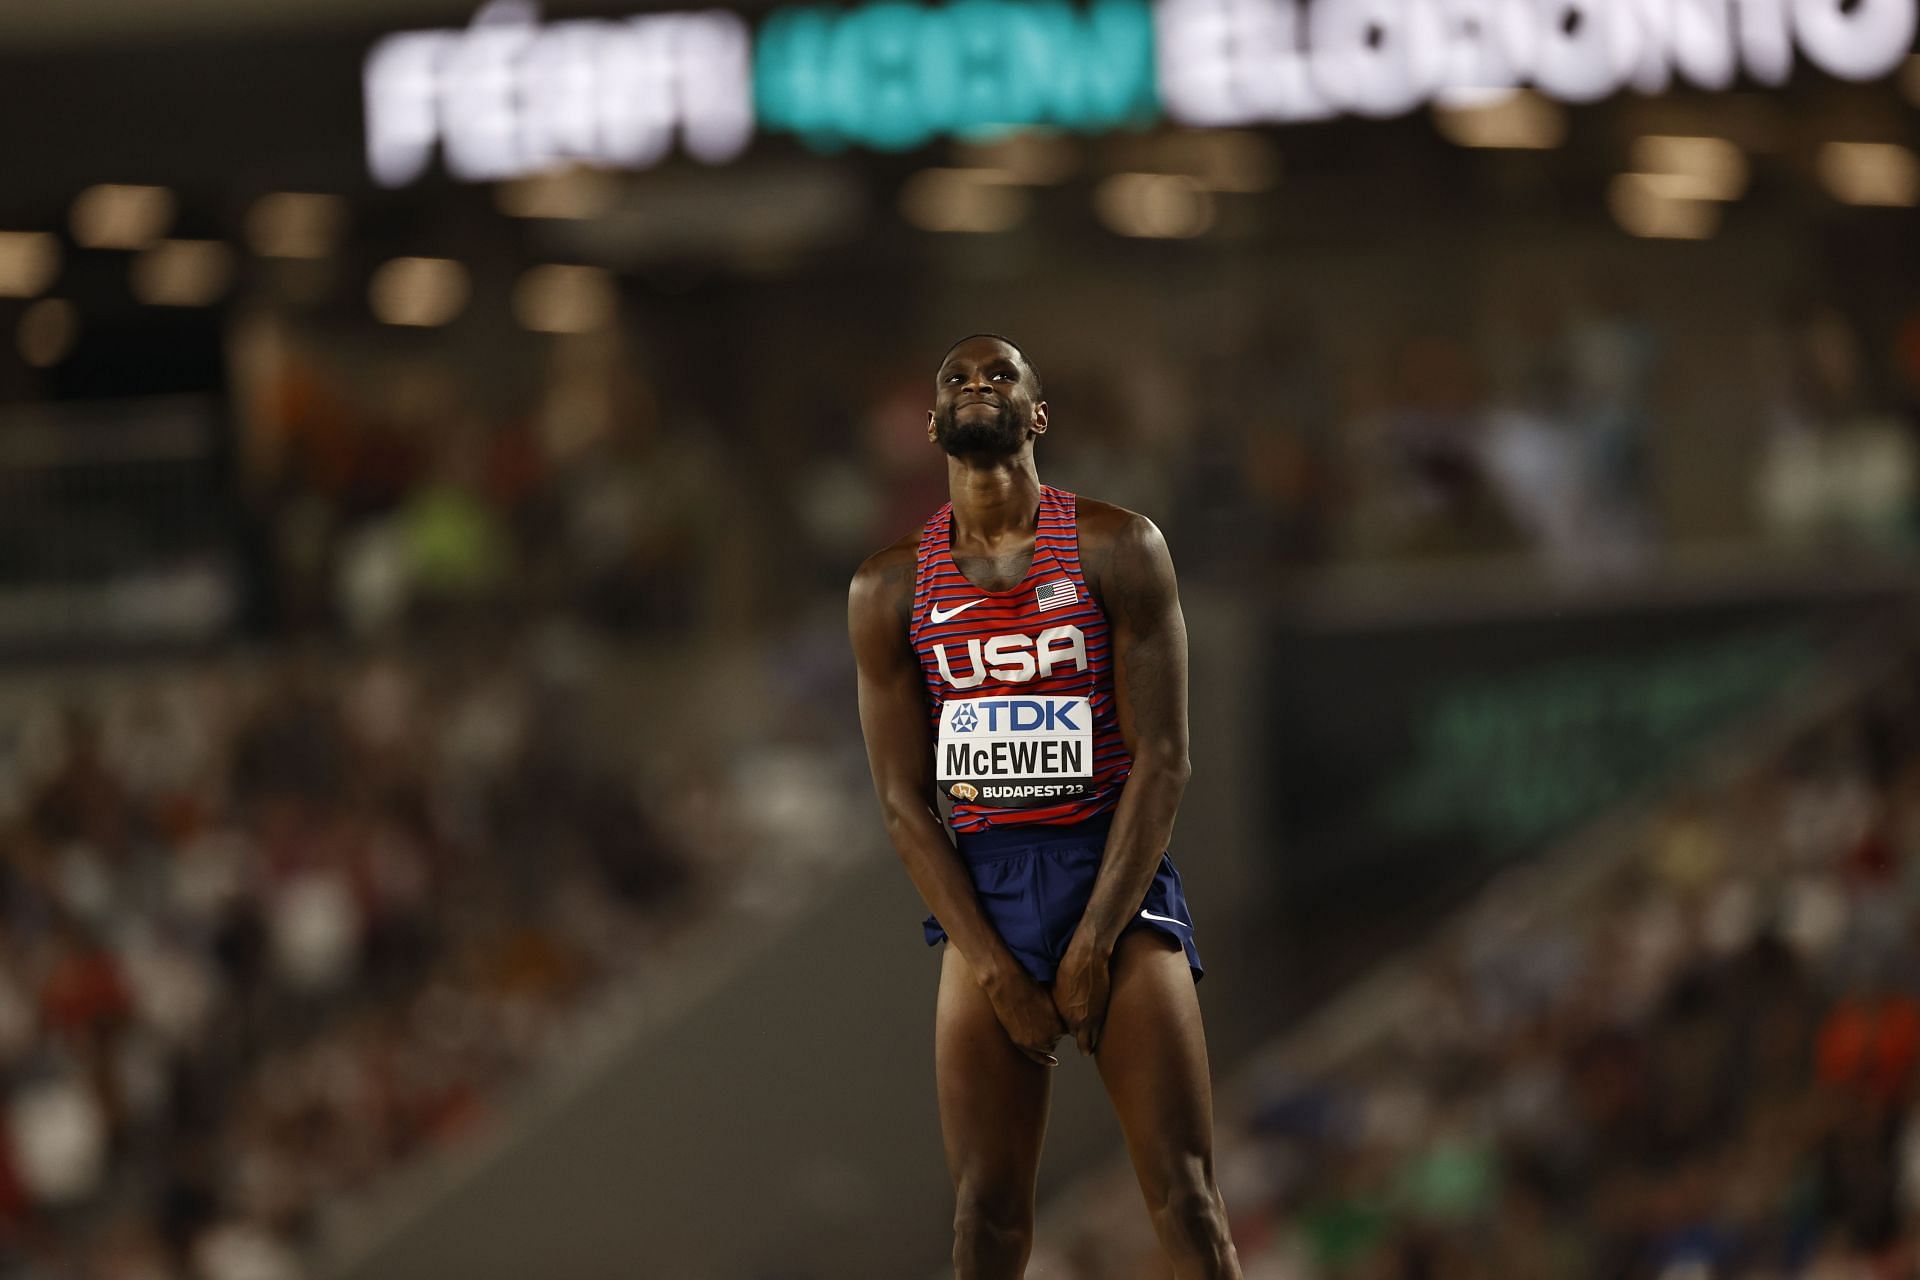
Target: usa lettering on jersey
(1016, 658)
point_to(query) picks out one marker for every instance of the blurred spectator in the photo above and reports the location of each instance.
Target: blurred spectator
(1835, 469)
(1417, 478)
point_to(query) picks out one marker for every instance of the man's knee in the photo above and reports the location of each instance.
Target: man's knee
(1188, 1206)
(1000, 1216)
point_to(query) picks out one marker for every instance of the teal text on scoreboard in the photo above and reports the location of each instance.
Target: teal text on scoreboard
(891, 75)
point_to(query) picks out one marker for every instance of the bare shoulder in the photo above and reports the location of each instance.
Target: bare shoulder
(1115, 539)
(884, 581)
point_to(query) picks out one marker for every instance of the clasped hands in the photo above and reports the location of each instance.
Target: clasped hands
(1035, 1019)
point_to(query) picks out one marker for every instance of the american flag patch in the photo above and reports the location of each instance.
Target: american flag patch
(1055, 595)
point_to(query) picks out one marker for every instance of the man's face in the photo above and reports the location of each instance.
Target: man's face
(983, 401)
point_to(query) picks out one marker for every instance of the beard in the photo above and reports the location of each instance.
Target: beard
(997, 434)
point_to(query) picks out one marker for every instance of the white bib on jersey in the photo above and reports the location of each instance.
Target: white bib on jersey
(1011, 750)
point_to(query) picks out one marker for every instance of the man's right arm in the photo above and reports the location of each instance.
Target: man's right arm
(893, 716)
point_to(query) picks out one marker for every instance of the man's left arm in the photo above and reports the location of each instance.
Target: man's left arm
(1149, 638)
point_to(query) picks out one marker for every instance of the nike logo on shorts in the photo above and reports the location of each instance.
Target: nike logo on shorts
(1166, 919)
(939, 617)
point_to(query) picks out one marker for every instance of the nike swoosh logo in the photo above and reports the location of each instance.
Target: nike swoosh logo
(939, 617)
(1166, 919)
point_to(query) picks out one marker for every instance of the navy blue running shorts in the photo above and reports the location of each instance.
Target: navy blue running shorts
(1034, 881)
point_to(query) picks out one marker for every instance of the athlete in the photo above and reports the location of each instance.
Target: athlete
(1022, 655)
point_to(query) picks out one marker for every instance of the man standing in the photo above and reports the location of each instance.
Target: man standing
(1023, 654)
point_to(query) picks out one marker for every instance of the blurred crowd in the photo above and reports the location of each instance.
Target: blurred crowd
(393, 490)
(396, 493)
(1707, 1070)
(273, 928)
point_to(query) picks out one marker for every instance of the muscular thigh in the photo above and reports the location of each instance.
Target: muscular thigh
(993, 1098)
(1153, 1061)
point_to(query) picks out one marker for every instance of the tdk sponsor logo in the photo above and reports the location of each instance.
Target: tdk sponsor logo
(1021, 715)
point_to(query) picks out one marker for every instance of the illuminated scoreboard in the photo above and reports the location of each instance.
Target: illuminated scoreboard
(509, 95)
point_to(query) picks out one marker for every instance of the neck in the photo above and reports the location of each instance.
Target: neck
(993, 497)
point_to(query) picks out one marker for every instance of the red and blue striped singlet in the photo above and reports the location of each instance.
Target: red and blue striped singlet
(1019, 682)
